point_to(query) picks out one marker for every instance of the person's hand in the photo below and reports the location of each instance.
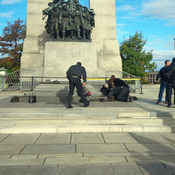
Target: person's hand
(84, 84)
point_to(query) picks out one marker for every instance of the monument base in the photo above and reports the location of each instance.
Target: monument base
(59, 56)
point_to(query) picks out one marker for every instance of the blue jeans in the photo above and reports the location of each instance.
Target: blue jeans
(162, 88)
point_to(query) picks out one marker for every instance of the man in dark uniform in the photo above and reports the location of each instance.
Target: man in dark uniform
(74, 74)
(171, 82)
(163, 84)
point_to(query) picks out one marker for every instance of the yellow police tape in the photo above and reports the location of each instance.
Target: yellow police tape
(104, 79)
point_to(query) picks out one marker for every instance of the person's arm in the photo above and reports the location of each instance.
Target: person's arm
(68, 73)
(161, 74)
(84, 75)
(158, 76)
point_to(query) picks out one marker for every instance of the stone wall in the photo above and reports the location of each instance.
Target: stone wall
(103, 38)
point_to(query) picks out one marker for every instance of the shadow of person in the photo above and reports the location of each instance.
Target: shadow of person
(63, 95)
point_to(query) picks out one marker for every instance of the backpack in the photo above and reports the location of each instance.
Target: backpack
(167, 76)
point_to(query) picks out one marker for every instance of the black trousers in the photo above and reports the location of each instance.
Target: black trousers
(75, 82)
(123, 94)
(169, 94)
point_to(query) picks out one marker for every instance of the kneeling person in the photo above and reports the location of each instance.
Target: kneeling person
(117, 89)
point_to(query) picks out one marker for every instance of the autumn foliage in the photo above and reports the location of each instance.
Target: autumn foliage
(11, 44)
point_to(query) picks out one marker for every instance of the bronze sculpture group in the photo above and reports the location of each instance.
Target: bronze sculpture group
(69, 20)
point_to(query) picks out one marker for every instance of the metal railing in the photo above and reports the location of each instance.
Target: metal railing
(13, 77)
(31, 83)
(2, 83)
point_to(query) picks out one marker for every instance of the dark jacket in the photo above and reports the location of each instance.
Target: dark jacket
(77, 70)
(161, 74)
(170, 68)
(119, 82)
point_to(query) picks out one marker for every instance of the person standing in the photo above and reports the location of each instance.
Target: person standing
(163, 84)
(74, 74)
(171, 82)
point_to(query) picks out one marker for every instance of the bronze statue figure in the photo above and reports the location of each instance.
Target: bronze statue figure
(69, 20)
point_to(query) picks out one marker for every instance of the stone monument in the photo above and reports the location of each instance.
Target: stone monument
(49, 52)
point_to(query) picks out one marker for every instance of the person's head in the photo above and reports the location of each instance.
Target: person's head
(112, 79)
(173, 60)
(167, 63)
(79, 63)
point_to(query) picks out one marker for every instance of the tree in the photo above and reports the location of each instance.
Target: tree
(7, 63)
(135, 59)
(11, 42)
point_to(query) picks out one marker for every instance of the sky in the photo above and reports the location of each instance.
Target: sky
(154, 18)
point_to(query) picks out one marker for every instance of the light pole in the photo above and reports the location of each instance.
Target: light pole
(174, 43)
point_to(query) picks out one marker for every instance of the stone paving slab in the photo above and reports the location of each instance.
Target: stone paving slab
(10, 149)
(99, 170)
(87, 138)
(10, 162)
(169, 136)
(71, 170)
(24, 156)
(163, 153)
(119, 138)
(128, 154)
(43, 170)
(85, 160)
(109, 104)
(154, 168)
(59, 155)
(150, 138)
(5, 156)
(138, 159)
(150, 147)
(101, 148)
(165, 158)
(53, 139)
(3, 136)
(20, 139)
(126, 169)
(48, 149)
(14, 170)
(171, 167)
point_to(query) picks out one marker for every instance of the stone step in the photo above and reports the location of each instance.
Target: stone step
(65, 113)
(86, 129)
(86, 121)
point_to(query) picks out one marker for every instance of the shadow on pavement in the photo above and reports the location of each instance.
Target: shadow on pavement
(162, 158)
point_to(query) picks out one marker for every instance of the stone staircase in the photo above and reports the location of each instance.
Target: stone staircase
(84, 121)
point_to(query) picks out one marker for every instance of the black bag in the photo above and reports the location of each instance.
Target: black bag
(167, 76)
(14, 99)
(32, 97)
(86, 92)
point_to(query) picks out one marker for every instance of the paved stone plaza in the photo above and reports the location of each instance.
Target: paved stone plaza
(88, 153)
(99, 153)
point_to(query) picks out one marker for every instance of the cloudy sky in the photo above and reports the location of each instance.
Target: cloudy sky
(154, 18)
